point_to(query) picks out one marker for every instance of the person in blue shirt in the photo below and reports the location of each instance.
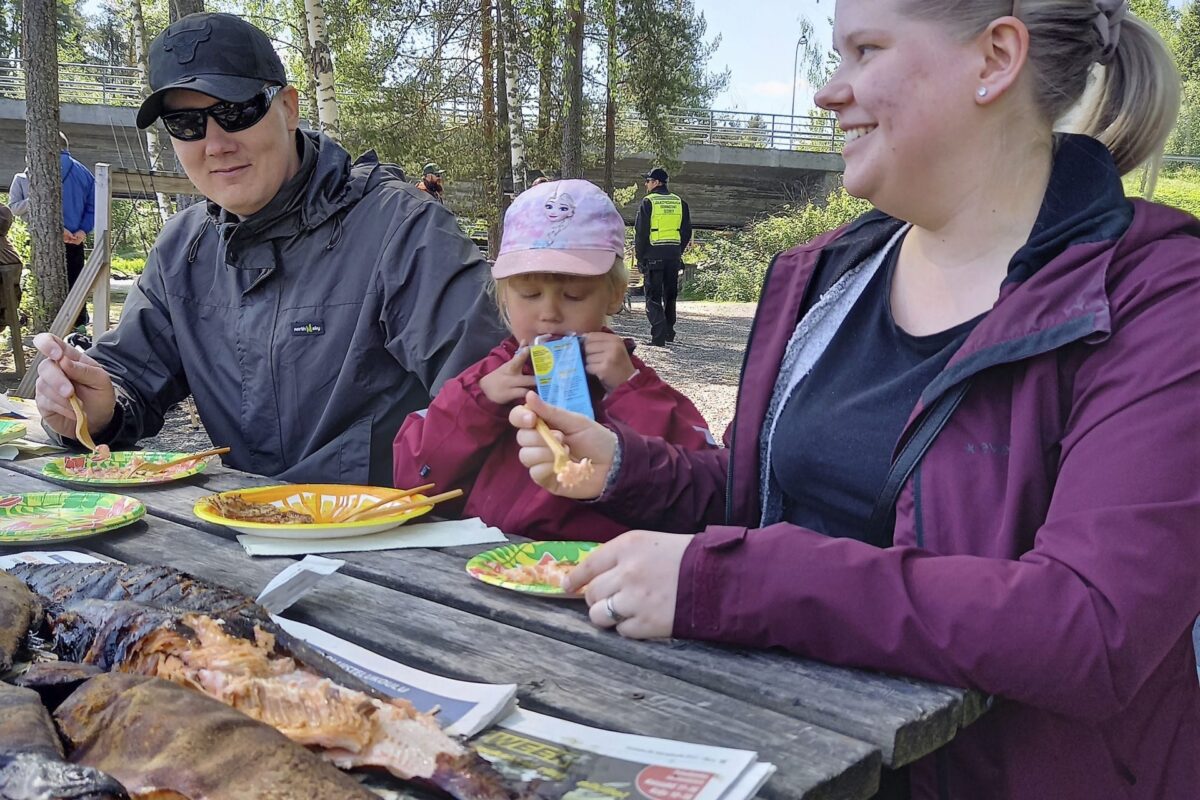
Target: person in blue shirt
(79, 213)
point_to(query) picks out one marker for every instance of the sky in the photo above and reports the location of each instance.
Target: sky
(758, 48)
(759, 51)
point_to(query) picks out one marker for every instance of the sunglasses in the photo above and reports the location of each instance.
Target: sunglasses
(191, 124)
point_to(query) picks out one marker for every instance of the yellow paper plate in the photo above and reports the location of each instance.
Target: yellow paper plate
(327, 503)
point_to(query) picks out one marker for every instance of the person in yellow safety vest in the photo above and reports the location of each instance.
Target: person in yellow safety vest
(662, 231)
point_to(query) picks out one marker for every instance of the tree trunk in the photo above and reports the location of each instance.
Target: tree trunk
(503, 153)
(176, 10)
(610, 100)
(42, 146)
(572, 142)
(306, 55)
(143, 65)
(181, 8)
(516, 118)
(492, 186)
(321, 66)
(545, 77)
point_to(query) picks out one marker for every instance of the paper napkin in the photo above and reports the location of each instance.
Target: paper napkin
(450, 533)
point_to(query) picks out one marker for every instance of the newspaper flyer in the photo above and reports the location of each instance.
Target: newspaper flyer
(576, 762)
(463, 708)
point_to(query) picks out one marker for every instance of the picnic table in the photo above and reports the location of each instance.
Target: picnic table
(829, 730)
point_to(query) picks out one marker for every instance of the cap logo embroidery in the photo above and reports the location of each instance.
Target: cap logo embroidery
(559, 209)
(182, 41)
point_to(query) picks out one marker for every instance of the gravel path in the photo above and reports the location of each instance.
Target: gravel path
(702, 363)
(706, 357)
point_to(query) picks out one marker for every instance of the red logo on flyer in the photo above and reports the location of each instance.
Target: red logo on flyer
(668, 783)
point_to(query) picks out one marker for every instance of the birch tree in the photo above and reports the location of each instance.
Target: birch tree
(321, 67)
(516, 117)
(491, 179)
(143, 65)
(48, 259)
(610, 95)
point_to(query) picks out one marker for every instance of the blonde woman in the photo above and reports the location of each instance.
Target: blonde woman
(967, 445)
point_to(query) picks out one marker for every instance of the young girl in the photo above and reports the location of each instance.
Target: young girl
(560, 271)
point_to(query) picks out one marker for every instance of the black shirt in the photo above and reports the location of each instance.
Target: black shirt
(835, 435)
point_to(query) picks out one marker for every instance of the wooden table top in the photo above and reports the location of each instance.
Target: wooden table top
(829, 730)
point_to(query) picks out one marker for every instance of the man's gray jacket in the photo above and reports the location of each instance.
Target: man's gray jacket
(308, 331)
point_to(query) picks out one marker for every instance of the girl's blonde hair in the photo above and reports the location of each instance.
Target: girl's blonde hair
(1138, 101)
(617, 279)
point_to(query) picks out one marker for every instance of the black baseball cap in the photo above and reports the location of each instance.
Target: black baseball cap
(220, 55)
(656, 174)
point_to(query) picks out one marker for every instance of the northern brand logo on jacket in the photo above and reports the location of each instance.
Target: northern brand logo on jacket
(314, 327)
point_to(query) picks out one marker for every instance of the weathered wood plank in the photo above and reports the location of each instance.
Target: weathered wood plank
(554, 677)
(906, 719)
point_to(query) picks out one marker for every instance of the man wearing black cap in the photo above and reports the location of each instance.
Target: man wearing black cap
(308, 307)
(662, 231)
(431, 181)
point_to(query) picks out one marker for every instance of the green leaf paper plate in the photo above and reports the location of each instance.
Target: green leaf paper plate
(10, 430)
(42, 517)
(114, 470)
(532, 567)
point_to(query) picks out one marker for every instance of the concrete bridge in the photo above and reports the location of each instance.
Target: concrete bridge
(736, 166)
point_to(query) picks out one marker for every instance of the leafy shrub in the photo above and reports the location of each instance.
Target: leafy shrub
(731, 268)
(127, 267)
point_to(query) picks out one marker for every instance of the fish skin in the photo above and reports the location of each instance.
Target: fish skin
(54, 680)
(135, 592)
(32, 765)
(19, 612)
(129, 725)
(171, 590)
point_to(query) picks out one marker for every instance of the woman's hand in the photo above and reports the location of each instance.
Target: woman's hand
(584, 438)
(632, 583)
(65, 371)
(506, 384)
(606, 357)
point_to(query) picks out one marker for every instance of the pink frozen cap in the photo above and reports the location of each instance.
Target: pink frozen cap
(569, 227)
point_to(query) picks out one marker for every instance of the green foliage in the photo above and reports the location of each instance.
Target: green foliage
(664, 55)
(623, 196)
(1185, 139)
(1177, 186)
(127, 267)
(731, 268)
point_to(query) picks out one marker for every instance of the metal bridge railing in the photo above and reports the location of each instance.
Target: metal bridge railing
(79, 83)
(762, 131)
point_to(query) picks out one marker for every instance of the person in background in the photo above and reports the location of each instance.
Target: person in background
(79, 215)
(965, 447)
(18, 194)
(308, 306)
(431, 182)
(560, 271)
(662, 231)
(9, 258)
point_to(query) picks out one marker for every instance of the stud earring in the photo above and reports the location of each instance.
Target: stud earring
(981, 91)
